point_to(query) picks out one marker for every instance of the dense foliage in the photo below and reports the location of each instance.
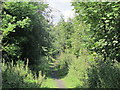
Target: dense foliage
(104, 20)
(19, 76)
(74, 58)
(25, 31)
(25, 37)
(88, 45)
(83, 51)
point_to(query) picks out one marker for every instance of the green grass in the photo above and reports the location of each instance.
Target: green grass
(49, 83)
(71, 82)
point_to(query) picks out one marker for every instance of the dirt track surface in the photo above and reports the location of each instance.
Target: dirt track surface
(60, 83)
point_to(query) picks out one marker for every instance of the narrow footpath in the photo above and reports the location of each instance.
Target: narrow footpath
(59, 82)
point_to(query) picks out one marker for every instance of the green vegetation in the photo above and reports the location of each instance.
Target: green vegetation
(84, 51)
(20, 76)
(49, 83)
(23, 27)
(103, 20)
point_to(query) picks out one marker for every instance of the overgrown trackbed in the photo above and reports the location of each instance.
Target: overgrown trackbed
(59, 82)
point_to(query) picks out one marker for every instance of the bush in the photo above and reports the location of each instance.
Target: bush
(63, 63)
(76, 76)
(104, 74)
(20, 76)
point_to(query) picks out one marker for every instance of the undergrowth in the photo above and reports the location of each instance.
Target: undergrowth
(49, 83)
(20, 76)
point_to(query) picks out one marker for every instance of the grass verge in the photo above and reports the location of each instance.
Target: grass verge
(49, 83)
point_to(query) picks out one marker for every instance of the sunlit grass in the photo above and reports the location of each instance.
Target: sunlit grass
(49, 83)
(72, 82)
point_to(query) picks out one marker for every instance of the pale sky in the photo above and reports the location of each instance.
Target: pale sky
(61, 7)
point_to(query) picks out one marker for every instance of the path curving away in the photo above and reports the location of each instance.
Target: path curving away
(59, 82)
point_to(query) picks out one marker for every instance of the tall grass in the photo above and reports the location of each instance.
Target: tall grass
(19, 76)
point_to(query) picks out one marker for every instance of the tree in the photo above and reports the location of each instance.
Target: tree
(25, 31)
(62, 33)
(104, 20)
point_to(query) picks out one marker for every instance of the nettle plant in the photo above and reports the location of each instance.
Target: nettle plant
(20, 76)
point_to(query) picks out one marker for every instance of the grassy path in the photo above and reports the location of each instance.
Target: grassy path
(49, 83)
(54, 81)
(59, 82)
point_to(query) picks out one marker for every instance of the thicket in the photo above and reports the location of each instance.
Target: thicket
(25, 31)
(20, 76)
(73, 57)
(90, 45)
(84, 50)
(104, 20)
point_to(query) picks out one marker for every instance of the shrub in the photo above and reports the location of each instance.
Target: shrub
(77, 69)
(104, 75)
(20, 76)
